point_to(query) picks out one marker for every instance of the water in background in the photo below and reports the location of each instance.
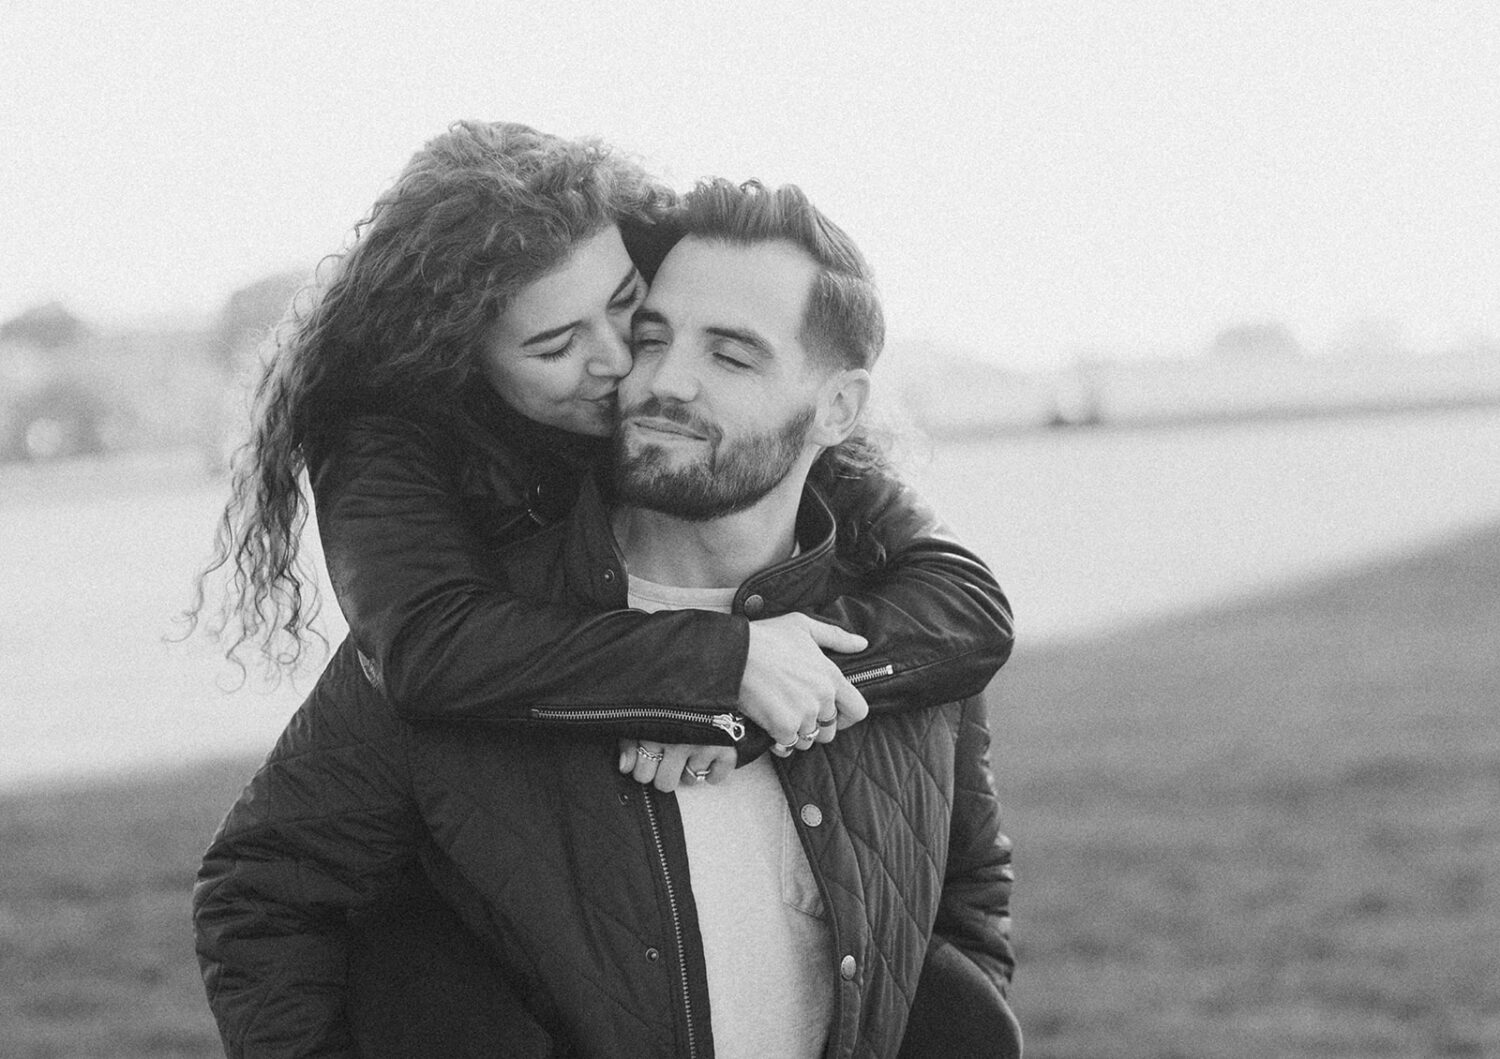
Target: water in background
(1087, 530)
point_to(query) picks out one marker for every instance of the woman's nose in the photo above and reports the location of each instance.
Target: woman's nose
(611, 358)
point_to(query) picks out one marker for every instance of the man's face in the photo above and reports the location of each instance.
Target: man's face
(716, 411)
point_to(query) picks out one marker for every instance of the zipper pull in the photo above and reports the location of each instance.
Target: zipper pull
(728, 722)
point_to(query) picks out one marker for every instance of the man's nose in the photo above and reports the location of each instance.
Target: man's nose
(610, 358)
(672, 375)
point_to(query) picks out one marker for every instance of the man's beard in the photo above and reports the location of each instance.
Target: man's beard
(730, 478)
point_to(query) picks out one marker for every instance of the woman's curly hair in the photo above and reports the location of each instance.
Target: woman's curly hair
(479, 212)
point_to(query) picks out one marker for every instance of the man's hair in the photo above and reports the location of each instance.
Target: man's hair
(842, 322)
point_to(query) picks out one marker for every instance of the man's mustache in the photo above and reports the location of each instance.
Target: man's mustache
(673, 412)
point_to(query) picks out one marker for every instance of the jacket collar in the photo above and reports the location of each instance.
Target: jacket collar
(596, 575)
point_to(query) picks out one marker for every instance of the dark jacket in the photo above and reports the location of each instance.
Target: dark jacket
(571, 878)
(411, 514)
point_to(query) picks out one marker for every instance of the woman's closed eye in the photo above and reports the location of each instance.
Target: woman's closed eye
(558, 353)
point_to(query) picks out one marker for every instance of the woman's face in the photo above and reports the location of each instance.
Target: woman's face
(558, 351)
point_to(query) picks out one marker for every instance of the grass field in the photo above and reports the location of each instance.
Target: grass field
(1271, 830)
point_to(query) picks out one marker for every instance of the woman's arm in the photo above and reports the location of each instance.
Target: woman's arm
(938, 625)
(444, 636)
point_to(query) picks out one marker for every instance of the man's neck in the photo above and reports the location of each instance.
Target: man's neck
(719, 553)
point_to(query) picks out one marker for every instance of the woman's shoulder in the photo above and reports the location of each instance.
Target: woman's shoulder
(359, 442)
(506, 476)
(429, 439)
(391, 447)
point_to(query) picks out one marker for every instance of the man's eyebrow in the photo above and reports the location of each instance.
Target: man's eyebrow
(749, 339)
(554, 332)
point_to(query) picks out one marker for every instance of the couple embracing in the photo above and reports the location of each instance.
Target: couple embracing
(595, 495)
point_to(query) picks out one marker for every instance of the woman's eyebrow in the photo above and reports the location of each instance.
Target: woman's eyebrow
(554, 332)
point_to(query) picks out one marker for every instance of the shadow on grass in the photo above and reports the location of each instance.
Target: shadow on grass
(1268, 829)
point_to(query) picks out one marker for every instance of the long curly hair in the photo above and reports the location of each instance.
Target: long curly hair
(479, 212)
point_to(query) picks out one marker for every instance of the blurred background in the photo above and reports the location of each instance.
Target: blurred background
(1195, 336)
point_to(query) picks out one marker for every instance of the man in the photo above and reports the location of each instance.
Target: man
(847, 898)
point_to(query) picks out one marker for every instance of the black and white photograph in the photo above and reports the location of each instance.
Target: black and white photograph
(776, 531)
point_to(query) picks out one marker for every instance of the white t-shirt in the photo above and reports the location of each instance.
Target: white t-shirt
(766, 940)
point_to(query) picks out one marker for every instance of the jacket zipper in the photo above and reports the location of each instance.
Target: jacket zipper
(661, 858)
(864, 676)
(731, 723)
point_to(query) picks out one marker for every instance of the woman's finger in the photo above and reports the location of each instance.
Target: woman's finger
(707, 765)
(832, 638)
(828, 728)
(726, 760)
(648, 756)
(850, 703)
(674, 760)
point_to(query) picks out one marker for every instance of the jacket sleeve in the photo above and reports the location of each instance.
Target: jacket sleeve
(961, 1005)
(443, 634)
(938, 624)
(323, 829)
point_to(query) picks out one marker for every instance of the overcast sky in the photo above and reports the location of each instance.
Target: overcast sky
(1031, 178)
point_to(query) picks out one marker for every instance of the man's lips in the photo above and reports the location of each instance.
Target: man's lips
(656, 425)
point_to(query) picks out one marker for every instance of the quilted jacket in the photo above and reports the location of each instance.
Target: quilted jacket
(411, 509)
(571, 880)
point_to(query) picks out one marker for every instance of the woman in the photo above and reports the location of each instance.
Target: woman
(445, 394)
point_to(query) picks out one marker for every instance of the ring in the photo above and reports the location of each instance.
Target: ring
(699, 774)
(649, 755)
(804, 736)
(828, 723)
(786, 746)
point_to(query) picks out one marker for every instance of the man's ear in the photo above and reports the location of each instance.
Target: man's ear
(841, 401)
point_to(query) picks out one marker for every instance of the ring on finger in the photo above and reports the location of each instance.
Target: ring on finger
(807, 737)
(828, 723)
(649, 755)
(700, 774)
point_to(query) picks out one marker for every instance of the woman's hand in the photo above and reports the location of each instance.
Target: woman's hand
(671, 764)
(791, 689)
